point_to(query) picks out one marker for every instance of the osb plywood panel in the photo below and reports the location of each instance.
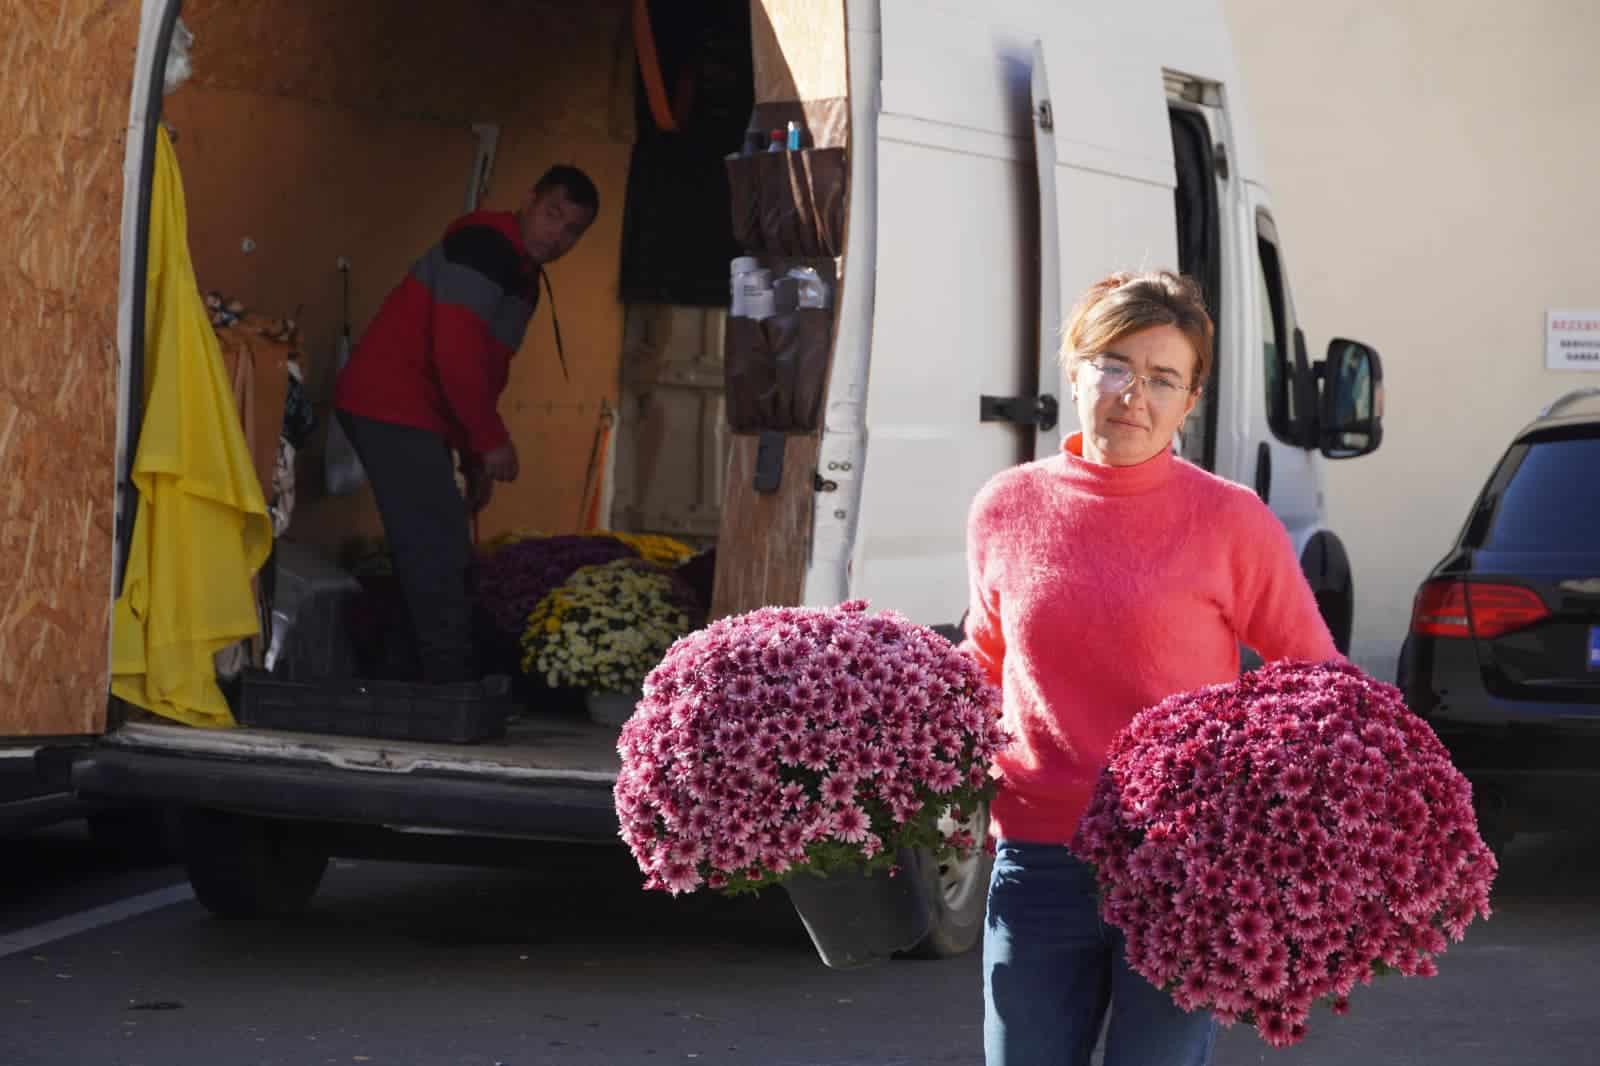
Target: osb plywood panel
(799, 49)
(772, 532)
(558, 61)
(65, 70)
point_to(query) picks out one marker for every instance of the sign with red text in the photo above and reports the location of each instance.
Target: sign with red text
(1572, 340)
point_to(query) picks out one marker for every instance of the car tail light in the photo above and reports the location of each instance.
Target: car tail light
(1499, 609)
(1453, 608)
(1440, 610)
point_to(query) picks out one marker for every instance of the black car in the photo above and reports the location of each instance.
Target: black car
(1503, 657)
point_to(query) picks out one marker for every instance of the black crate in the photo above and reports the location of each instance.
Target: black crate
(461, 713)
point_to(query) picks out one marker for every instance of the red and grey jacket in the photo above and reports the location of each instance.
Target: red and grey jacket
(438, 353)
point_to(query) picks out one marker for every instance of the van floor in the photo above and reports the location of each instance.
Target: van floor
(558, 745)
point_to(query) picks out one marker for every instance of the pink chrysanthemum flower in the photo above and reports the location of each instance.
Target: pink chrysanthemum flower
(677, 877)
(837, 789)
(1267, 845)
(789, 738)
(850, 824)
(1305, 902)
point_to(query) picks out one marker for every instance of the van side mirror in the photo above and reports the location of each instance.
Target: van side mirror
(1351, 412)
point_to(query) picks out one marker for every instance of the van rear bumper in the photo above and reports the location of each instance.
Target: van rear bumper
(551, 810)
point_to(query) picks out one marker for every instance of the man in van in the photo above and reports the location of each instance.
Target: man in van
(424, 381)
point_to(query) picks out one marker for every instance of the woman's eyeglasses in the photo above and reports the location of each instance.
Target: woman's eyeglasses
(1114, 379)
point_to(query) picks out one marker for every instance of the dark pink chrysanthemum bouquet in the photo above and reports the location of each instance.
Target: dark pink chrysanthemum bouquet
(513, 579)
(1268, 844)
(791, 738)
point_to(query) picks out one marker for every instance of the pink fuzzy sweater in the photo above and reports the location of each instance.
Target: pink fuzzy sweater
(1098, 591)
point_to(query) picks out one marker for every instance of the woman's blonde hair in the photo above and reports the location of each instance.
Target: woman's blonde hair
(1125, 303)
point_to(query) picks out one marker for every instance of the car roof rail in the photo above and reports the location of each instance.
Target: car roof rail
(1560, 403)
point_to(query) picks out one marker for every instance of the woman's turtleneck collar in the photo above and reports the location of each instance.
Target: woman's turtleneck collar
(1104, 480)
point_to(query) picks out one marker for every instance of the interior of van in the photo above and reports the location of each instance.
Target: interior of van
(323, 150)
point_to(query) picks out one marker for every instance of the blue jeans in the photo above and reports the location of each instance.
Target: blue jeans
(1051, 969)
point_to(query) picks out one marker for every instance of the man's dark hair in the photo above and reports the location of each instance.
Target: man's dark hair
(574, 182)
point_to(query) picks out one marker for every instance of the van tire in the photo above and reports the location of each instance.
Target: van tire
(1326, 566)
(958, 895)
(242, 867)
(1337, 608)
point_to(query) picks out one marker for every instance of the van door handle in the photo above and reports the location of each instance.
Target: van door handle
(1264, 472)
(1042, 411)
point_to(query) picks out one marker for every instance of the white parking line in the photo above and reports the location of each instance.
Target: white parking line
(93, 918)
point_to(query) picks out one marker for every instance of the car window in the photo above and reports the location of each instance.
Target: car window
(1549, 503)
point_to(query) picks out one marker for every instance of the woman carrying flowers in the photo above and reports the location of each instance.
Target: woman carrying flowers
(1103, 580)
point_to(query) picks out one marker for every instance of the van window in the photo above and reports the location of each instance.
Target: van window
(1276, 332)
(1200, 257)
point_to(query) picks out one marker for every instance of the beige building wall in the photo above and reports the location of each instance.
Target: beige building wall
(1435, 166)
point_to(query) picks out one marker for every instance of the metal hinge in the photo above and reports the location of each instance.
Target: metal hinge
(1042, 411)
(1046, 118)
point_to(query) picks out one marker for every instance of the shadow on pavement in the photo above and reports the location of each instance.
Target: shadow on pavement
(62, 869)
(1550, 866)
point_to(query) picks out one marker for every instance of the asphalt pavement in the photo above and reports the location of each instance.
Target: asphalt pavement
(571, 964)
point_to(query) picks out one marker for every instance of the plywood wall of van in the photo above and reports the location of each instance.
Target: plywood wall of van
(799, 49)
(65, 71)
(318, 131)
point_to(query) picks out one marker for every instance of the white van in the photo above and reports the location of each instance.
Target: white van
(996, 158)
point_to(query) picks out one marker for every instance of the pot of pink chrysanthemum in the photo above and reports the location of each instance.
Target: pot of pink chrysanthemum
(812, 748)
(1269, 844)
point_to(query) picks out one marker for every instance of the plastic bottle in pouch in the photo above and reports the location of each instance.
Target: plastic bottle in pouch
(757, 299)
(759, 303)
(738, 270)
(812, 291)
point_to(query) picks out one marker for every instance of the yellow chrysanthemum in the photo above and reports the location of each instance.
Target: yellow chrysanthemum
(654, 548)
(605, 628)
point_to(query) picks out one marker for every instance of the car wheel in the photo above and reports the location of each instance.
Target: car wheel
(958, 892)
(244, 867)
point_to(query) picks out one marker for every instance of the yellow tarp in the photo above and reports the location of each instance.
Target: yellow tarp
(201, 531)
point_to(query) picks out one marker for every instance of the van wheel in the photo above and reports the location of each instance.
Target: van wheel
(244, 867)
(1337, 608)
(958, 891)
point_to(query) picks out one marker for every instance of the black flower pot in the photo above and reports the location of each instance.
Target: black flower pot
(856, 919)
